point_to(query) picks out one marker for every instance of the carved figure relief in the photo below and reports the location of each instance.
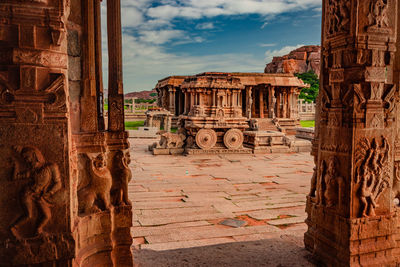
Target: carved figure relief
(37, 197)
(95, 196)
(378, 14)
(220, 113)
(372, 173)
(122, 175)
(338, 16)
(331, 184)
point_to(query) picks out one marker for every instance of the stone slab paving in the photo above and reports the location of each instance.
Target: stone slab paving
(179, 203)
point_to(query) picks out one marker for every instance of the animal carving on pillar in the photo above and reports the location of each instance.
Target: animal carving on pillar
(372, 173)
(378, 14)
(95, 196)
(37, 197)
(122, 175)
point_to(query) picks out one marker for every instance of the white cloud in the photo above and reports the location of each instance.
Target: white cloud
(205, 26)
(195, 9)
(269, 54)
(267, 45)
(160, 36)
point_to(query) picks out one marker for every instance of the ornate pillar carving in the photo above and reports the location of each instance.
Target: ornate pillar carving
(352, 219)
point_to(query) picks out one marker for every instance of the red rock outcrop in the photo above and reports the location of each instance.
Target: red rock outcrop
(142, 94)
(301, 60)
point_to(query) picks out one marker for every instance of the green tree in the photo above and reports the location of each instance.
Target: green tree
(153, 94)
(309, 94)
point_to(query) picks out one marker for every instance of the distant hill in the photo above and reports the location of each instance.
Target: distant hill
(301, 60)
(143, 94)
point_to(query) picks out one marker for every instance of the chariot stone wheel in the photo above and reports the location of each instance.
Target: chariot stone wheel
(206, 138)
(233, 139)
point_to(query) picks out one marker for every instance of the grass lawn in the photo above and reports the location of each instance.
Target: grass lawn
(307, 123)
(133, 125)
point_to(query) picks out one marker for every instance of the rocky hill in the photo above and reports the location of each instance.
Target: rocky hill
(301, 60)
(142, 94)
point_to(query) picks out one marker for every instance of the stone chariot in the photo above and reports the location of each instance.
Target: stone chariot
(213, 116)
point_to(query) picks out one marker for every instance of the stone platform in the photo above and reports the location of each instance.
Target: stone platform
(217, 151)
(274, 142)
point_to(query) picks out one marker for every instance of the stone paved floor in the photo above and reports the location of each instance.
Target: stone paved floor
(179, 203)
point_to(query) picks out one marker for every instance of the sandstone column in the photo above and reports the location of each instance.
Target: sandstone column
(172, 100)
(278, 105)
(352, 219)
(284, 104)
(261, 98)
(249, 102)
(88, 99)
(271, 102)
(99, 66)
(115, 81)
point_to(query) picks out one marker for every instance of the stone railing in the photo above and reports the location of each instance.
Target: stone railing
(306, 110)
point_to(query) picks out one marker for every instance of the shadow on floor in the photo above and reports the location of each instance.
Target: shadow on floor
(286, 251)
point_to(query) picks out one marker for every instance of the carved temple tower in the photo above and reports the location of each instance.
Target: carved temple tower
(352, 217)
(63, 175)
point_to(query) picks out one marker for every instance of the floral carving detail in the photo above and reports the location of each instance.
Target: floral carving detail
(372, 173)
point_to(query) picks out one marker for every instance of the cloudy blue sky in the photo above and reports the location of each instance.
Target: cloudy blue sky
(178, 37)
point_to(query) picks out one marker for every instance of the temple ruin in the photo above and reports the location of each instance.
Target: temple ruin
(265, 97)
(234, 111)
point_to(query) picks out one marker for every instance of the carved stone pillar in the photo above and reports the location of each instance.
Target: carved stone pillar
(172, 100)
(253, 106)
(249, 103)
(271, 105)
(278, 104)
(37, 159)
(115, 81)
(352, 219)
(88, 100)
(99, 67)
(284, 104)
(261, 99)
